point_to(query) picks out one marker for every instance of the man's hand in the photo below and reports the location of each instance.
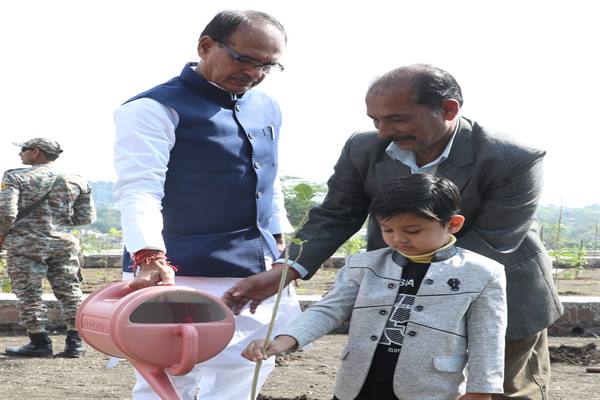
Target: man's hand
(476, 396)
(256, 288)
(2, 237)
(281, 344)
(151, 274)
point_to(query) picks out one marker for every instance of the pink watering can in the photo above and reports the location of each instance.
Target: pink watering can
(161, 330)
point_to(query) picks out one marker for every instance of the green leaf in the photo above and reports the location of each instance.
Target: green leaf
(304, 191)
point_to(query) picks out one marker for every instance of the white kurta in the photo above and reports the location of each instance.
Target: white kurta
(145, 136)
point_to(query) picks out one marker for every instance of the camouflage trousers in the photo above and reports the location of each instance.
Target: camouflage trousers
(27, 272)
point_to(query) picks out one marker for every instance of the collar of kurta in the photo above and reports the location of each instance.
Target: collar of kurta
(198, 84)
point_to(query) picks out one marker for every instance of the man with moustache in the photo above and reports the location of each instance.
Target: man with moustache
(196, 159)
(415, 110)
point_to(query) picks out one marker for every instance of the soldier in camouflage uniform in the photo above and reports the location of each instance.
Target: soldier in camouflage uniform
(36, 204)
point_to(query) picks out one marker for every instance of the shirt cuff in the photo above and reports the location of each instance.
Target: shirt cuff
(299, 268)
(280, 224)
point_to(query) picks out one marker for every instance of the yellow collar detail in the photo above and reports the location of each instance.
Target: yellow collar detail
(426, 258)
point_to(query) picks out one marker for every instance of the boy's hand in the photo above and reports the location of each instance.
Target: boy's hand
(281, 344)
(476, 396)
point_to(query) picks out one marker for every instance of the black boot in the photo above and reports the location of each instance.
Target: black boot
(39, 345)
(73, 346)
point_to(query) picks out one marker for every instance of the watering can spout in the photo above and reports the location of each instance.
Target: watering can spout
(158, 380)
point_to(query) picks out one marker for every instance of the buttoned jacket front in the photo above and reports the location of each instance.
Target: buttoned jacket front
(447, 328)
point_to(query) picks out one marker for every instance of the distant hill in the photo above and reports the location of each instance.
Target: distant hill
(578, 224)
(107, 215)
(102, 192)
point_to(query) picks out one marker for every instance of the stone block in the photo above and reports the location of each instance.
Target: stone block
(581, 317)
(102, 260)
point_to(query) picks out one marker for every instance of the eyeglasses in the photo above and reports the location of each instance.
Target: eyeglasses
(24, 149)
(251, 62)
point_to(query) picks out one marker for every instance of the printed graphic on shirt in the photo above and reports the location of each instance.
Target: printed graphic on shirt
(393, 334)
(392, 338)
(407, 282)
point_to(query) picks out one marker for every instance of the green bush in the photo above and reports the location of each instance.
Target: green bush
(353, 245)
(4, 279)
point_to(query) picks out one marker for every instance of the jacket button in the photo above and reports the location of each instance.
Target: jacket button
(419, 308)
(428, 281)
(251, 135)
(412, 333)
(257, 165)
(258, 195)
(382, 312)
(237, 107)
(391, 285)
(374, 338)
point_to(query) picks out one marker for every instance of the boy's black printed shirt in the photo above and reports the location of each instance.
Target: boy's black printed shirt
(392, 338)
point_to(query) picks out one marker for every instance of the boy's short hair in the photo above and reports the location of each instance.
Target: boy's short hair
(424, 195)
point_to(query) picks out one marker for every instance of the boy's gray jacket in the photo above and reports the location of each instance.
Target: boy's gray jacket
(447, 329)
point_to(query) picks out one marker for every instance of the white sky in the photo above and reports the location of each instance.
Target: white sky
(526, 67)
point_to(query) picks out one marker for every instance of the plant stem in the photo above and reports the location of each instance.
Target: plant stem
(271, 324)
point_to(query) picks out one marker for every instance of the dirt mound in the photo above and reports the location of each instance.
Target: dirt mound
(285, 359)
(575, 355)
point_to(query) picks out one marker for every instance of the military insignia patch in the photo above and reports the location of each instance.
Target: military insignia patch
(3, 186)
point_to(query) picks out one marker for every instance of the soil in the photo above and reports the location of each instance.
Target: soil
(306, 375)
(584, 355)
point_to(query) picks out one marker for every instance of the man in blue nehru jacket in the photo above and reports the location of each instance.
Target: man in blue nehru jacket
(196, 159)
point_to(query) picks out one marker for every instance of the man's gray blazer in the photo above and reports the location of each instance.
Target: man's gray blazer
(448, 328)
(500, 184)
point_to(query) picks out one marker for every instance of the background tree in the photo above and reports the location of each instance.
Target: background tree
(296, 201)
(297, 204)
(578, 226)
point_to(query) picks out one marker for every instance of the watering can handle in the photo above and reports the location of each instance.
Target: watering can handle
(189, 350)
(113, 291)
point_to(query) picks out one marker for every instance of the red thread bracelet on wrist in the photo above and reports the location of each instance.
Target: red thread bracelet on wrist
(145, 256)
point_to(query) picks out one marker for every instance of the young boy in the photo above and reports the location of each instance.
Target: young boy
(421, 309)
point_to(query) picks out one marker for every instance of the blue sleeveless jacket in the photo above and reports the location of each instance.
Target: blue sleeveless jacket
(219, 184)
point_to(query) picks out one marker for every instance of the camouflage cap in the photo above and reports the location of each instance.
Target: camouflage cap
(46, 145)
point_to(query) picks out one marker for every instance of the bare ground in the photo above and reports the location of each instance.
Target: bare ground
(307, 375)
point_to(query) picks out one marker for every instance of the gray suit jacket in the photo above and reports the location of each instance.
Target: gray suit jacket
(500, 184)
(447, 329)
